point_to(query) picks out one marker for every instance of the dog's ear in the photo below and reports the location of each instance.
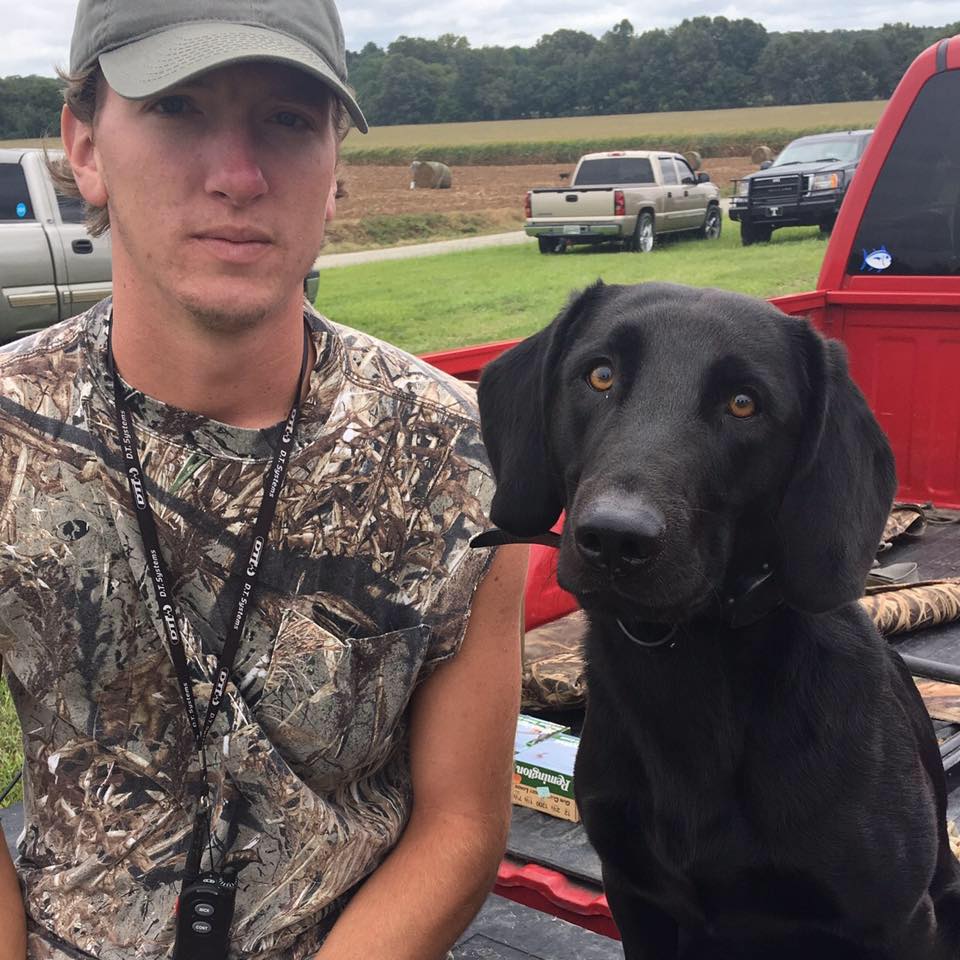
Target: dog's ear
(837, 501)
(512, 396)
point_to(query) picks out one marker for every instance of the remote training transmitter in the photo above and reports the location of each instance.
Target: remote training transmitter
(204, 914)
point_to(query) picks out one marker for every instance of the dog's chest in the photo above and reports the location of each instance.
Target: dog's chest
(683, 728)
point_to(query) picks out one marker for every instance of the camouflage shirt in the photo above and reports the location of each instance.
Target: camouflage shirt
(365, 587)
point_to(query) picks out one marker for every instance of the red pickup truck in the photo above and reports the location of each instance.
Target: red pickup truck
(889, 288)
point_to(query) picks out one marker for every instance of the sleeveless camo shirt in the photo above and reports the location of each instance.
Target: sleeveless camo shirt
(365, 587)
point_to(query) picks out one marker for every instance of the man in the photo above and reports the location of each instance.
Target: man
(202, 452)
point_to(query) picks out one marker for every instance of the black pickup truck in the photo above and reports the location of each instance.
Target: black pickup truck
(803, 186)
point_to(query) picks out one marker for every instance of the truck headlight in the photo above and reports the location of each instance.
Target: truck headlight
(743, 188)
(825, 181)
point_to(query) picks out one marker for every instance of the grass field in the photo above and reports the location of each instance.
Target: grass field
(501, 293)
(506, 292)
(838, 115)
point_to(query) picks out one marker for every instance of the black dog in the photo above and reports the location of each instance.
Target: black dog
(756, 769)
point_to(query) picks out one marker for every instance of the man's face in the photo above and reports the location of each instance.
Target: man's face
(218, 190)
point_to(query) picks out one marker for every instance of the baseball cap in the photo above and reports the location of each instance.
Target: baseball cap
(147, 46)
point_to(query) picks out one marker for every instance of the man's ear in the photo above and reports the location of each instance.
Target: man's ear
(80, 150)
(335, 191)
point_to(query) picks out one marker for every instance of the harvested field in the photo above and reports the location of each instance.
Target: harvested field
(840, 116)
(383, 190)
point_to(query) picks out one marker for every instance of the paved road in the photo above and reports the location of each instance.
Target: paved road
(421, 249)
(430, 249)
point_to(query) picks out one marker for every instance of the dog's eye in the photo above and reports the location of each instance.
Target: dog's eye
(601, 378)
(742, 405)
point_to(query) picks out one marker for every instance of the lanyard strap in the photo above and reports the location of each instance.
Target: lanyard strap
(157, 569)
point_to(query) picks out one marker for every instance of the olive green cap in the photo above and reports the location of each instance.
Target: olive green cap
(147, 46)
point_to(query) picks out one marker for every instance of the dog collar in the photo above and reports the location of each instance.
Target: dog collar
(497, 538)
(752, 598)
(747, 600)
(669, 639)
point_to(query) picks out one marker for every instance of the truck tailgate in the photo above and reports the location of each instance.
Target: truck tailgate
(573, 204)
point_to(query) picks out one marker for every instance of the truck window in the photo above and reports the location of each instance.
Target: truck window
(911, 224)
(71, 209)
(686, 171)
(14, 195)
(842, 150)
(668, 170)
(609, 170)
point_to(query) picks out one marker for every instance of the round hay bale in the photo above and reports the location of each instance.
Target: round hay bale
(694, 159)
(761, 153)
(430, 175)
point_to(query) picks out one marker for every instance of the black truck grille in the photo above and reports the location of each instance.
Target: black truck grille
(770, 189)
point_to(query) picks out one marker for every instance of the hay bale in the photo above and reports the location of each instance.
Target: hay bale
(694, 159)
(430, 175)
(761, 153)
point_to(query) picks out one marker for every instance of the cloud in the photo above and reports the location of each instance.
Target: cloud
(36, 34)
(504, 23)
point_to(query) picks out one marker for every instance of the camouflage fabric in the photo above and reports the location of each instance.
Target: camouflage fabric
(365, 587)
(942, 701)
(905, 520)
(912, 606)
(553, 667)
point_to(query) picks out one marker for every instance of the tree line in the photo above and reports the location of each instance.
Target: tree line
(703, 63)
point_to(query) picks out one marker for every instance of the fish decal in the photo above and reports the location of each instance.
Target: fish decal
(876, 260)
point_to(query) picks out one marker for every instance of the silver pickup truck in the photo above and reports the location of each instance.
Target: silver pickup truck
(50, 267)
(629, 196)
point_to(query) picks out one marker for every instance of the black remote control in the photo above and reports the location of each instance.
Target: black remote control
(204, 914)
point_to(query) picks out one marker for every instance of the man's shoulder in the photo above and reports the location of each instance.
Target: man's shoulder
(43, 354)
(39, 378)
(382, 366)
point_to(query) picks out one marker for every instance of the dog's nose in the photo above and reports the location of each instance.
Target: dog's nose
(615, 534)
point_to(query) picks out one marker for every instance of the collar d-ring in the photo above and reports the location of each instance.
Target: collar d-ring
(669, 638)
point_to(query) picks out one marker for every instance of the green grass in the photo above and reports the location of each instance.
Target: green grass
(391, 230)
(10, 745)
(501, 293)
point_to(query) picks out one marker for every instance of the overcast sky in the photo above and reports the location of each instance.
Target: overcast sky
(35, 34)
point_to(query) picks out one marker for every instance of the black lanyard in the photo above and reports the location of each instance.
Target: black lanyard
(157, 569)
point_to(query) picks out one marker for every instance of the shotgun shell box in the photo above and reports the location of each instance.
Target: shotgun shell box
(543, 776)
(530, 730)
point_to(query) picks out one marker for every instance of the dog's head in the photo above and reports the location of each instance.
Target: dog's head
(692, 436)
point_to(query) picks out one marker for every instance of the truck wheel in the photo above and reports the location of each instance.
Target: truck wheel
(712, 223)
(643, 235)
(826, 226)
(754, 232)
(550, 244)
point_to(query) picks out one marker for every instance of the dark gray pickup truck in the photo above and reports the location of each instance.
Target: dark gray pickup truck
(803, 186)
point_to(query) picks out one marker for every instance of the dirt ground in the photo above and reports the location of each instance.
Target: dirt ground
(376, 190)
